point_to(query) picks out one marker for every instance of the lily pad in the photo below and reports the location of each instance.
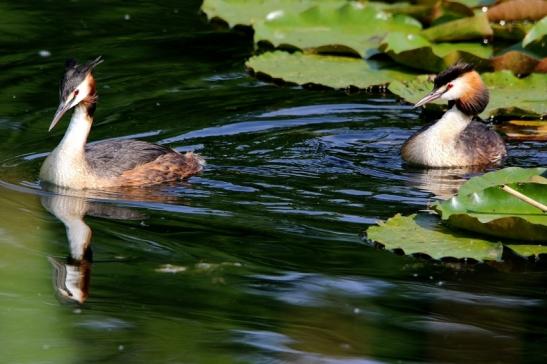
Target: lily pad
(518, 62)
(353, 28)
(422, 234)
(475, 27)
(497, 213)
(247, 13)
(509, 95)
(524, 130)
(518, 10)
(433, 57)
(514, 31)
(503, 176)
(328, 71)
(536, 37)
(434, 13)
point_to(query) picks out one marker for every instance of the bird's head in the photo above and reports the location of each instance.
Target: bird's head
(461, 85)
(76, 86)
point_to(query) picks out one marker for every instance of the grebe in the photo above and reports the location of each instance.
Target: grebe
(116, 163)
(456, 140)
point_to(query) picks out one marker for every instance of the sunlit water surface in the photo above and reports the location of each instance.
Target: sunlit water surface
(259, 259)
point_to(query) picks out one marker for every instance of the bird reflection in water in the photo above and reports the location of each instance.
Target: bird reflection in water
(71, 276)
(443, 182)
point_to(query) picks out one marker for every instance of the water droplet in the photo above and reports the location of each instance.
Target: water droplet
(44, 53)
(127, 17)
(121, 348)
(274, 15)
(356, 310)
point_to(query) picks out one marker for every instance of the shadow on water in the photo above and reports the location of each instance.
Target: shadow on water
(258, 259)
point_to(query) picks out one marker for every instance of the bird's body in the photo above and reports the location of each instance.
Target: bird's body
(456, 140)
(117, 163)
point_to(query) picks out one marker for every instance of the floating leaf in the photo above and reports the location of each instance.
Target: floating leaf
(495, 212)
(329, 71)
(476, 3)
(509, 95)
(518, 10)
(515, 61)
(528, 250)
(536, 37)
(500, 177)
(435, 13)
(247, 13)
(407, 48)
(476, 27)
(510, 30)
(445, 11)
(422, 234)
(352, 28)
(524, 130)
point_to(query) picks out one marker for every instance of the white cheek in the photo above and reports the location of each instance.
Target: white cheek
(457, 90)
(83, 91)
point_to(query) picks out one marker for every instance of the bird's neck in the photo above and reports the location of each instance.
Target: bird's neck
(78, 130)
(452, 123)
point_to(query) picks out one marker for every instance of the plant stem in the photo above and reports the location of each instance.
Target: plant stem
(524, 198)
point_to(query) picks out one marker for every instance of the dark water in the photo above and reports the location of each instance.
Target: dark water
(258, 260)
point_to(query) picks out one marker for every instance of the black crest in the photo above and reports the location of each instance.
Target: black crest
(451, 73)
(75, 74)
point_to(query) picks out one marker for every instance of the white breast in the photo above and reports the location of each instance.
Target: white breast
(436, 146)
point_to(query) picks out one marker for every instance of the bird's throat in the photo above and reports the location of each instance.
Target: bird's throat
(78, 130)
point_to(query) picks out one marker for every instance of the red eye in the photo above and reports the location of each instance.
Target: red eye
(76, 92)
(448, 87)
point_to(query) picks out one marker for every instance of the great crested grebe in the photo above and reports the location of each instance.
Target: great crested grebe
(456, 140)
(115, 163)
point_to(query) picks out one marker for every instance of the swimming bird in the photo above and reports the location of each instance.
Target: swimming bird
(112, 163)
(456, 140)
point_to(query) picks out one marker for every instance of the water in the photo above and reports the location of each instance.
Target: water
(259, 259)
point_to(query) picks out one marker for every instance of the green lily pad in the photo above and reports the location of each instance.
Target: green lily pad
(407, 48)
(501, 177)
(528, 250)
(509, 95)
(514, 31)
(476, 3)
(248, 13)
(422, 234)
(353, 28)
(328, 71)
(497, 213)
(433, 13)
(536, 38)
(475, 27)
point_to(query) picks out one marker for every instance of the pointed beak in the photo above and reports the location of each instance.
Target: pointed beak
(433, 95)
(63, 107)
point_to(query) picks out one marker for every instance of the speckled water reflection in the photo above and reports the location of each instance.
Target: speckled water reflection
(257, 260)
